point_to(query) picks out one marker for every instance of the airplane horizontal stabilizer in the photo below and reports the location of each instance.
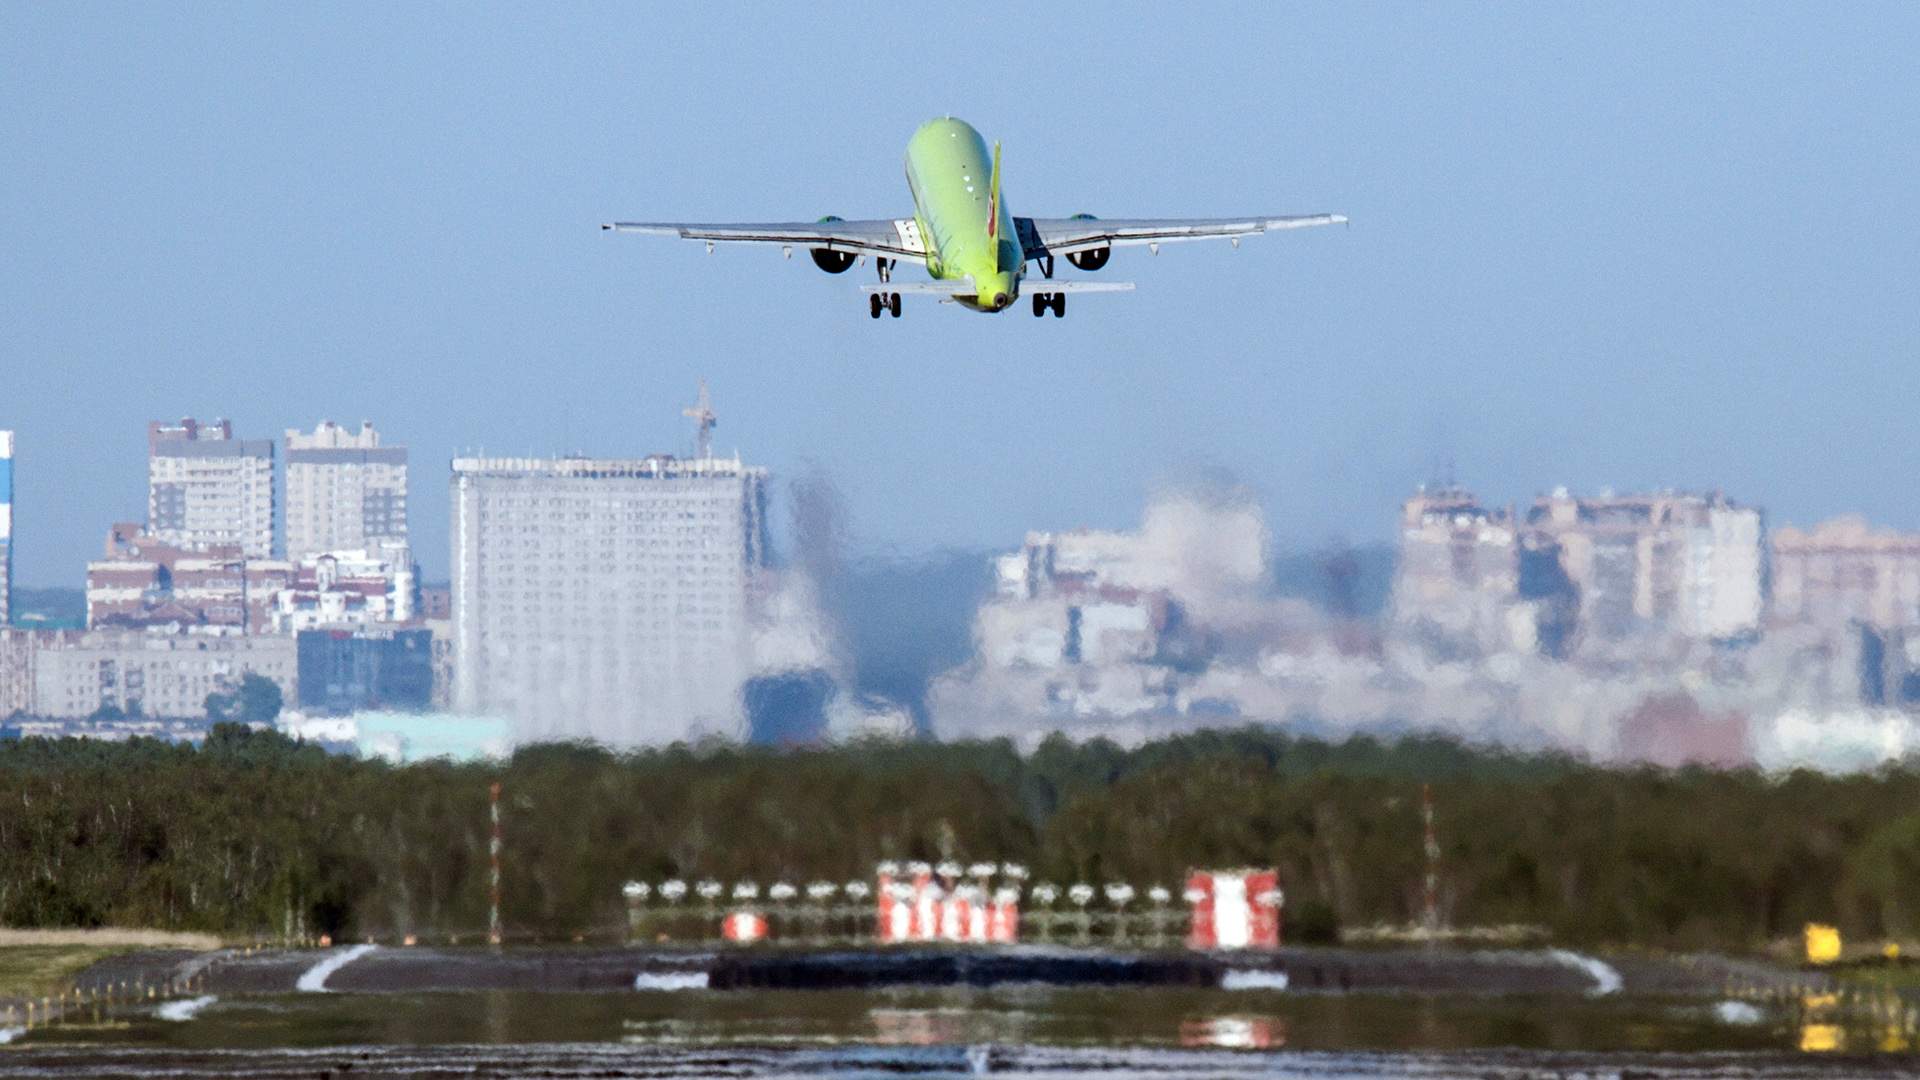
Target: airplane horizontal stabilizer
(935, 288)
(966, 287)
(1031, 287)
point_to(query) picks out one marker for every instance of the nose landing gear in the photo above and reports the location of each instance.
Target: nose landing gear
(1056, 301)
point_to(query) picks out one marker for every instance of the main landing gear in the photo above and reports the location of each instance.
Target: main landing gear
(888, 302)
(1056, 301)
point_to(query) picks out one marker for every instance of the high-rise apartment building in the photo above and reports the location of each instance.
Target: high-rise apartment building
(206, 489)
(1846, 571)
(16, 670)
(6, 527)
(605, 599)
(1609, 569)
(345, 491)
(1688, 564)
(1459, 568)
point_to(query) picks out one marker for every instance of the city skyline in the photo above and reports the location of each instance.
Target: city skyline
(633, 601)
(1669, 266)
(421, 492)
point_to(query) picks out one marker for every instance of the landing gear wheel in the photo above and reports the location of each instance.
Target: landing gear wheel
(1059, 305)
(873, 305)
(893, 305)
(1039, 304)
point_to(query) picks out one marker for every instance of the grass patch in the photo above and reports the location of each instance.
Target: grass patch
(35, 971)
(1900, 974)
(116, 936)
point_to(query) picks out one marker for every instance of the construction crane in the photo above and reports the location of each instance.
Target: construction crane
(701, 413)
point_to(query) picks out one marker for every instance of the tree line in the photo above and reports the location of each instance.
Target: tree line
(252, 833)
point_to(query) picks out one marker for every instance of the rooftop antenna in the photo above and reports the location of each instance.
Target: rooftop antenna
(701, 413)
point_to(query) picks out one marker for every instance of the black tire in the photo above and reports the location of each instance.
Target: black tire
(1060, 305)
(1039, 304)
(893, 304)
(873, 305)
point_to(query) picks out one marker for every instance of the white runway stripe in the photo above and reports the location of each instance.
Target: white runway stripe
(314, 979)
(670, 980)
(1605, 979)
(186, 1009)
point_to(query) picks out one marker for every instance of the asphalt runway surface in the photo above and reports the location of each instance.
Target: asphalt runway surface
(585, 1011)
(582, 968)
(598, 1060)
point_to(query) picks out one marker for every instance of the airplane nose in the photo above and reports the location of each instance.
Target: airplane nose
(999, 300)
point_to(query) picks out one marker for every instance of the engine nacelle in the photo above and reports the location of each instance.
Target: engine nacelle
(1090, 259)
(833, 262)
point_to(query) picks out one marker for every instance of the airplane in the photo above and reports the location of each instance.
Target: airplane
(976, 253)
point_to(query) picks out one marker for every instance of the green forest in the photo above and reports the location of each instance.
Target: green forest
(253, 834)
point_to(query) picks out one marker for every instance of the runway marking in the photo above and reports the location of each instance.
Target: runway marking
(1234, 979)
(670, 980)
(1605, 979)
(314, 979)
(184, 1010)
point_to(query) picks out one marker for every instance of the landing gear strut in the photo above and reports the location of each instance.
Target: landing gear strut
(888, 302)
(1056, 301)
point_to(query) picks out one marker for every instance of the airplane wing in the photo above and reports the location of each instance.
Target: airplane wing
(894, 239)
(1061, 236)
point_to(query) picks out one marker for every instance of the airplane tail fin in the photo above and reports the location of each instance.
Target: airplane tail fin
(993, 197)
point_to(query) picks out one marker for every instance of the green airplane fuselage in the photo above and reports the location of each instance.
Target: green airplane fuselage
(963, 220)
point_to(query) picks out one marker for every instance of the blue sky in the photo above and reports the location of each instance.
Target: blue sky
(1592, 245)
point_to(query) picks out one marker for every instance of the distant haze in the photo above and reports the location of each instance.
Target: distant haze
(905, 621)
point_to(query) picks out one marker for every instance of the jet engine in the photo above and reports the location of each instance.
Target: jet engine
(833, 262)
(1091, 258)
